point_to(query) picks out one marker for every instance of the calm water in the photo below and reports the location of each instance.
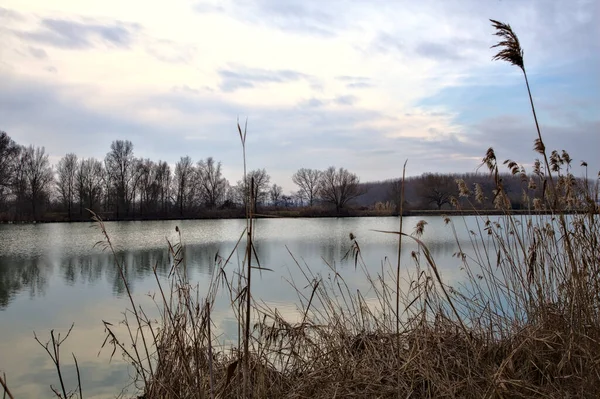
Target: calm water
(52, 275)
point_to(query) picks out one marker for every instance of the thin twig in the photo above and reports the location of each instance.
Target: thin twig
(78, 377)
(5, 387)
(55, 354)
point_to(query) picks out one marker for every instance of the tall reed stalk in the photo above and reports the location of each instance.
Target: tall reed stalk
(248, 289)
(511, 52)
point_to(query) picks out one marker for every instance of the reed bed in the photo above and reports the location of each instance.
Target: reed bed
(525, 322)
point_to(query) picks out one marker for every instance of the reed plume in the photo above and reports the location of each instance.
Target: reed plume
(510, 51)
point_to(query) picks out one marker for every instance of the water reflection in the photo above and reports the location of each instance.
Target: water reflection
(52, 275)
(22, 275)
(74, 259)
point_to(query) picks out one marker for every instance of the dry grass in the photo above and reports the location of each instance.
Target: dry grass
(524, 324)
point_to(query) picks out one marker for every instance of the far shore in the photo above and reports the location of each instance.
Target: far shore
(293, 214)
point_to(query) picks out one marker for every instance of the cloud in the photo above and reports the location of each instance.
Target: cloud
(7, 14)
(170, 51)
(355, 82)
(291, 16)
(88, 33)
(312, 103)
(206, 8)
(513, 137)
(68, 34)
(68, 122)
(299, 16)
(240, 77)
(194, 123)
(385, 43)
(161, 126)
(451, 48)
(438, 51)
(346, 100)
(311, 133)
(185, 89)
(38, 53)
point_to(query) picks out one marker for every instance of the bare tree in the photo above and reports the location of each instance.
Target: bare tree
(275, 193)
(39, 177)
(19, 184)
(260, 189)
(234, 196)
(308, 181)
(108, 190)
(239, 194)
(338, 187)
(89, 181)
(163, 184)
(140, 172)
(212, 184)
(436, 189)
(9, 153)
(120, 170)
(395, 193)
(287, 200)
(9, 157)
(297, 198)
(144, 183)
(259, 180)
(66, 172)
(184, 171)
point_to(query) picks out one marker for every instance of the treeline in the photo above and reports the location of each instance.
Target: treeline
(436, 191)
(124, 187)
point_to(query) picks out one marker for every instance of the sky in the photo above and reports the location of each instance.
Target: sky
(363, 85)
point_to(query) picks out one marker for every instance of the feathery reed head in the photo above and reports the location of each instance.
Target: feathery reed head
(463, 189)
(566, 158)
(555, 161)
(490, 159)
(479, 196)
(539, 147)
(531, 185)
(420, 228)
(510, 48)
(512, 166)
(537, 168)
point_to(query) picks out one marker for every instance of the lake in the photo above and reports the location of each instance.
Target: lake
(53, 275)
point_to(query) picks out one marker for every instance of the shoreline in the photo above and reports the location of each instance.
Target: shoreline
(303, 214)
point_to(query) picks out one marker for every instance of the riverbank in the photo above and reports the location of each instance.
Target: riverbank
(298, 213)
